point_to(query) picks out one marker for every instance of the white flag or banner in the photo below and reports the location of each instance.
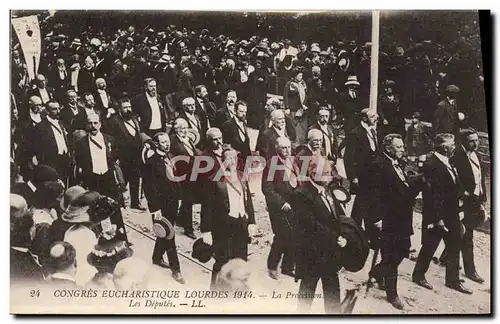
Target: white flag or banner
(28, 33)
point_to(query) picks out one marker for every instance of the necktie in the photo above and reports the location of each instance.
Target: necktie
(327, 202)
(400, 173)
(374, 137)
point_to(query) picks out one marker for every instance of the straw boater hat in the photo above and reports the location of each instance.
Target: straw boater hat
(162, 227)
(352, 80)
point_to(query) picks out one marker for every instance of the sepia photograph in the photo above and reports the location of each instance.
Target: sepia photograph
(326, 162)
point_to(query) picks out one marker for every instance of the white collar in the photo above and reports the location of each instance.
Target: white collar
(365, 126)
(161, 153)
(442, 158)
(393, 160)
(101, 91)
(53, 121)
(278, 130)
(149, 96)
(61, 275)
(98, 136)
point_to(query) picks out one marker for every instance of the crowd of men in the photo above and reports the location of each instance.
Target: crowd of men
(135, 109)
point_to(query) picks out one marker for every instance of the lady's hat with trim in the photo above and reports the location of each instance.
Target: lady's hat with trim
(106, 254)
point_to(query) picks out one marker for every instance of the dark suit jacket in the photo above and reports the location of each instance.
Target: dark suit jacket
(208, 113)
(391, 200)
(129, 147)
(231, 135)
(446, 118)
(440, 196)
(333, 141)
(222, 115)
(185, 85)
(318, 254)
(99, 106)
(24, 267)
(60, 85)
(266, 142)
(158, 187)
(45, 146)
(140, 106)
(350, 109)
(86, 81)
(178, 148)
(358, 154)
(291, 96)
(71, 121)
(215, 206)
(83, 158)
(278, 191)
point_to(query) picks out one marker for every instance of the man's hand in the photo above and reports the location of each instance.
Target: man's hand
(286, 207)
(378, 225)
(252, 230)
(385, 122)
(207, 238)
(355, 181)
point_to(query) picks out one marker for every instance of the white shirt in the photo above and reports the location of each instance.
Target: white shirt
(74, 79)
(130, 126)
(42, 216)
(476, 170)
(98, 156)
(236, 200)
(371, 139)
(74, 109)
(90, 111)
(59, 136)
(446, 162)
(44, 95)
(169, 167)
(104, 98)
(399, 170)
(62, 74)
(155, 112)
(187, 145)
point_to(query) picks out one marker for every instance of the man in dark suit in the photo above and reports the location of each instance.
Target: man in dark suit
(235, 132)
(124, 127)
(320, 243)
(227, 112)
(185, 82)
(182, 146)
(447, 117)
(279, 181)
(73, 114)
(96, 158)
(351, 104)
(150, 109)
(162, 193)
(204, 107)
(266, 142)
(330, 144)
(271, 105)
(194, 120)
(105, 104)
(42, 90)
(471, 176)
(393, 196)
(441, 215)
(59, 79)
(51, 145)
(362, 148)
(228, 217)
(294, 98)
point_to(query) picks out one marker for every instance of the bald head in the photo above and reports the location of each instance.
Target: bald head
(315, 138)
(18, 206)
(100, 84)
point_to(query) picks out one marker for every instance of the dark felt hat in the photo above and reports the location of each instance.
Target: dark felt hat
(452, 89)
(202, 251)
(355, 253)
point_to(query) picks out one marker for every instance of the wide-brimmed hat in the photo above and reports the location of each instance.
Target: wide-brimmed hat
(77, 211)
(70, 195)
(452, 89)
(315, 48)
(162, 227)
(355, 253)
(352, 80)
(106, 254)
(202, 251)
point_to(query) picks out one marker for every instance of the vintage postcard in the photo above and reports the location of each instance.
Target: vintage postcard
(185, 162)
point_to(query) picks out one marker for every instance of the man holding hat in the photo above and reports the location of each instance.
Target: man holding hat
(441, 215)
(162, 193)
(447, 117)
(319, 250)
(391, 213)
